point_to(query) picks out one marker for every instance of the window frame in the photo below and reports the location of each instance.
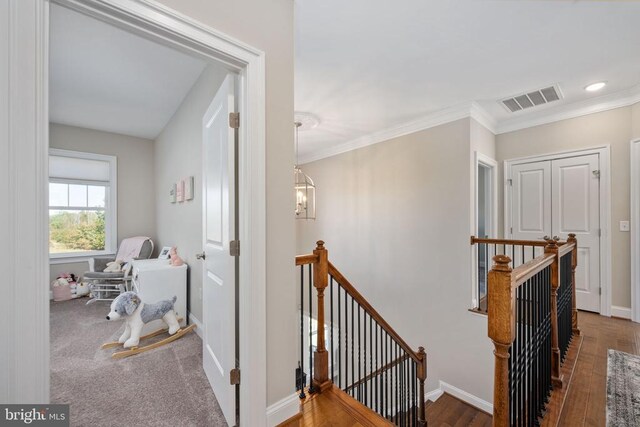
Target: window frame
(110, 209)
(485, 161)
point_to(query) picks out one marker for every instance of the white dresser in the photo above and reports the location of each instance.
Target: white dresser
(156, 280)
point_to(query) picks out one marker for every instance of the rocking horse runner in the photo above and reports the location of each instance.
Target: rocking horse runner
(130, 306)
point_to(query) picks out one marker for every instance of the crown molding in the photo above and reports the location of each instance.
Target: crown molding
(475, 111)
(431, 120)
(599, 104)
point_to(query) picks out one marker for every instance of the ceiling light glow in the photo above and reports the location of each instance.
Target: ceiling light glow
(595, 86)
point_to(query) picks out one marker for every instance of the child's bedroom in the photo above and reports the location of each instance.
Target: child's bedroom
(126, 226)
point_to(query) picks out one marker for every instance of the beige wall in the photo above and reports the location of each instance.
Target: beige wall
(395, 219)
(269, 27)
(635, 120)
(136, 198)
(178, 154)
(612, 128)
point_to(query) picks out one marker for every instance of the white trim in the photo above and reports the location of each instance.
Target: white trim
(74, 259)
(458, 393)
(605, 209)
(635, 230)
(433, 395)
(26, 301)
(282, 410)
(482, 159)
(621, 312)
(434, 119)
(599, 104)
(199, 328)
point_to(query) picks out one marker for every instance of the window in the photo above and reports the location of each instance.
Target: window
(82, 204)
(485, 223)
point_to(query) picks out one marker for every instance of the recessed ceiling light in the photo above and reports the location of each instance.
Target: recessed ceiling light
(595, 86)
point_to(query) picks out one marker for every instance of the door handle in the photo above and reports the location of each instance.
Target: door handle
(201, 256)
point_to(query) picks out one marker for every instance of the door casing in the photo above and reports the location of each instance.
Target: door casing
(605, 209)
(29, 381)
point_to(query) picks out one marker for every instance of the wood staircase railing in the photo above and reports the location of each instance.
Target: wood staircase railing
(365, 356)
(532, 318)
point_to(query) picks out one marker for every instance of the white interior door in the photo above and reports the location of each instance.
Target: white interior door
(219, 229)
(531, 200)
(558, 197)
(576, 209)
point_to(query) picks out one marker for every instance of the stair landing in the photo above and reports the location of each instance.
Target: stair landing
(334, 407)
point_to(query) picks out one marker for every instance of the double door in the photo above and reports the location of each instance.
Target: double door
(555, 198)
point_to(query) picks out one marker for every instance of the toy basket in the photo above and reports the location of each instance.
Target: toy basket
(62, 293)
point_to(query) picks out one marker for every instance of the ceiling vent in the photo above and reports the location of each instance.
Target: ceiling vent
(532, 99)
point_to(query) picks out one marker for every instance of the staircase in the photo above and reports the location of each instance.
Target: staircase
(352, 360)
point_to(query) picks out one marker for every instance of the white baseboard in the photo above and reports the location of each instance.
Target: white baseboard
(433, 395)
(622, 312)
(199, 330)
(282, 410)
(469, 398)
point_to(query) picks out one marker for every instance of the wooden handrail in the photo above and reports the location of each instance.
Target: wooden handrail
(357, 296)
(378, 371)
(474, 240)
(306, 259)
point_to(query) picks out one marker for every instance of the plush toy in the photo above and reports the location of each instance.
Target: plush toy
(113, 267)
(136, 313)
(82, 289)
(175, 259)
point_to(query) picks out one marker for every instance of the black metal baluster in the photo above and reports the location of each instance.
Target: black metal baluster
(353, 358)
(371, 380)
(333, 362)
(346, 341)
(364, 360)
(339, 340)
(301, 382)
(359, 361)
(311, 388)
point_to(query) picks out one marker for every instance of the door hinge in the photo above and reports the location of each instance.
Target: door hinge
(596, 173)
(234, 376)
(234, 120)
(511, 230)
(510, 182)
(599, 232)
(234, 247)
(599, 291)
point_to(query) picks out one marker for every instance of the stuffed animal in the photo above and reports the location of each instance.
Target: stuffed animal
(136, 313)
(113, 267)
(175, 259)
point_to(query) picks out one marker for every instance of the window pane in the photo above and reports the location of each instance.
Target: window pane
(78, 195)
(76, 231)
(58, 195)
(96, 196)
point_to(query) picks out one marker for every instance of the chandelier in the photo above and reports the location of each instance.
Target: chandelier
(305, 189)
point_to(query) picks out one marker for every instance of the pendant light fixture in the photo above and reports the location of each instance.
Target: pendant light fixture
(305, 189)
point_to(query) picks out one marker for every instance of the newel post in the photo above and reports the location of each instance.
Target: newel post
(320, 281)
(574, 264)
(501, 303)
(552, 248)
(422, 376)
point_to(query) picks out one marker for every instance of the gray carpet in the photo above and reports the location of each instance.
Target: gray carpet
(163, 387)
(623, 389)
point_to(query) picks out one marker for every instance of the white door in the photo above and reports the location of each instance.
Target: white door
(219, 229)
(531, 201)
(558, 197)
(576, 209)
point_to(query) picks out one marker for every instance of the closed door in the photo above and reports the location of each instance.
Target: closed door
(558, 197)
(219, 230)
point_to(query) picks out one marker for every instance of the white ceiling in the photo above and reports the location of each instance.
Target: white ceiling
(102, 77)
(365, 66)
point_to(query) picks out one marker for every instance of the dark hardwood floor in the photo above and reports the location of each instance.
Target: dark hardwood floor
(586, 396)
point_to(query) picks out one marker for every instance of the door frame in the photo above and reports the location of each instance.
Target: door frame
(635, 230)
(27, 105)
(604, 152)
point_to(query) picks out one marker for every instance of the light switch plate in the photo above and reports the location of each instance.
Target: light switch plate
(624, 225)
